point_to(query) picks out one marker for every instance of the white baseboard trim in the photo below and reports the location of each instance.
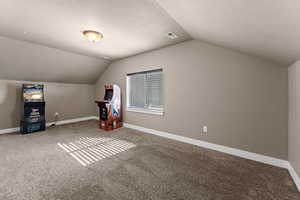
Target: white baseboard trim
(236, 152)
(216, 147)
(69, 121)
(9, 130)
(295, 176)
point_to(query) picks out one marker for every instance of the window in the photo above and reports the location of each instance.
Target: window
(144, 92)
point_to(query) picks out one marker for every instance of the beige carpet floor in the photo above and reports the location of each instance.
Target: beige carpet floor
(80, 162)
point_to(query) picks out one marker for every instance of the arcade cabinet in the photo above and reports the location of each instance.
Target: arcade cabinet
(33, 108)
(110, 108)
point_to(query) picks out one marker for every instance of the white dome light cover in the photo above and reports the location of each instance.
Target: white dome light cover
(92, 36)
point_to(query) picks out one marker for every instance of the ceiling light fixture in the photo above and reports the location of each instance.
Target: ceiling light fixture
(92, 36)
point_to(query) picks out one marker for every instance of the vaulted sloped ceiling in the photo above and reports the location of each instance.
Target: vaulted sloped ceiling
(27, 61)
(41, 39)
(129, 27)
(266, 28)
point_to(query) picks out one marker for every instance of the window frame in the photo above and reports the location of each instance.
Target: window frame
(153, 110)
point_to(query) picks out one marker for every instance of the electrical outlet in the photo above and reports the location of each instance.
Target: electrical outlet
(204, 129)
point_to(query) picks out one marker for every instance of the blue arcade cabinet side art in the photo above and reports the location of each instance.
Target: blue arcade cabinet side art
(33, 108)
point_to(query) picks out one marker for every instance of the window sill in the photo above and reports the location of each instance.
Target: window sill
(146, 111)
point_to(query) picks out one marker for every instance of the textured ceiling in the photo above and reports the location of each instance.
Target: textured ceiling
(129, 27)
(30, 62)
(265, 28)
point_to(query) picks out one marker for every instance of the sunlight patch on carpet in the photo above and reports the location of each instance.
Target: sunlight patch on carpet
(88, 150)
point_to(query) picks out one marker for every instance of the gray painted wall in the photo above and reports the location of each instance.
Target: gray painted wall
(294, 116)
(21, 60)
(70, 100)
(242, 99)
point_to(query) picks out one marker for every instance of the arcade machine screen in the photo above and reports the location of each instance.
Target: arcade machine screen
(33, 93)
(108, 94)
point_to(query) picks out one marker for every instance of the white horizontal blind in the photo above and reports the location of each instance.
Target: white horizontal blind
(145, 90)
(137, 90)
